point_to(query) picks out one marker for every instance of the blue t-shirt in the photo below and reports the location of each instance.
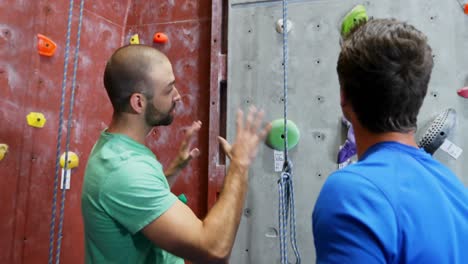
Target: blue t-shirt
(396, 205)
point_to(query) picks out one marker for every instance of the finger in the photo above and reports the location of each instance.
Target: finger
(265, 131)
(186, 139)
(250, 117)
(194, 153)
(225, 146)
(189, 135)
(258, 120)
(239, 121)
(196, 126)
(198, 123)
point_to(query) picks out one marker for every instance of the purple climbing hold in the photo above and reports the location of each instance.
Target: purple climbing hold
(348, 149)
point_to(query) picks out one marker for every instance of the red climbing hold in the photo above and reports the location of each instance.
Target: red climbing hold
(463, 92)
(45, 46)
(160, 38)
(465, 8)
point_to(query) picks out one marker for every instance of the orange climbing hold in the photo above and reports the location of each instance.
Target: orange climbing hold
(465, 8)
(45, 45)
(160, 38)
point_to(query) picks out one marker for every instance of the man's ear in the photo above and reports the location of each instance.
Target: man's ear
(346, 106)
(343, 101)
(137, 103)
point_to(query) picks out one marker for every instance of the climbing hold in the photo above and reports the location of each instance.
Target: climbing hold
(3, 150)
(135, 39)
(73, 160)
(35, 119)
(45, 45)
(465, 8)
(279, 26)
(160, 38)
(463, 92)
(183, 198)
(349, 148)
(438, 131)
(275, 138)
(352, 18)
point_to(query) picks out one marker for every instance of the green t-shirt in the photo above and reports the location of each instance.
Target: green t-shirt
(124, 190)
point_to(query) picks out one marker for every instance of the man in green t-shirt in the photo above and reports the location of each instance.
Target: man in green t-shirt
(129, 212)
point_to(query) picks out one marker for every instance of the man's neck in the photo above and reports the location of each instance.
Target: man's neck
(366, 139)
(130, 126)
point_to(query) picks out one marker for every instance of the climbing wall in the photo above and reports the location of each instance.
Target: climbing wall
(255, 78)
(32, 83)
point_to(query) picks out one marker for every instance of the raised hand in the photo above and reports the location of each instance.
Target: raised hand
(248, 135)
(186, 153)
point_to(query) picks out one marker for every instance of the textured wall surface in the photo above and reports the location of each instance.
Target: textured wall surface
(255, 77)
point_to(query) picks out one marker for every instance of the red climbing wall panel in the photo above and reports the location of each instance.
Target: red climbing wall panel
(30, 82)
(33, 83)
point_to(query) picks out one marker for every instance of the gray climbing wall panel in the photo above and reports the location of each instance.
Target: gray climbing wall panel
(255, 77)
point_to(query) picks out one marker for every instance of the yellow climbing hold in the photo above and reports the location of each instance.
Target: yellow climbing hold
(73, 160)
(3, 150)
(135, 39)
(35, 119)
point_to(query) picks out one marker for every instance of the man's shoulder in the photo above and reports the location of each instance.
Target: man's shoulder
(114, 155)
(112, 166)
(352, 184)
(134, 170)
(350, 178)
(349, 192)
(372, 176)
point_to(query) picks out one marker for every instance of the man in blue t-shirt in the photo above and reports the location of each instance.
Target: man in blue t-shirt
(396, 204)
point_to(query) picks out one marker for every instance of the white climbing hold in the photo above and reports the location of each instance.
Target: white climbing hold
(279, 26)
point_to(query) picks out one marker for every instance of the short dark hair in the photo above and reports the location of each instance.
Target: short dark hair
(126, 73)
(384, 69)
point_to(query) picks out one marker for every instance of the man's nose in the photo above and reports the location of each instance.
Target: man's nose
(177, 95)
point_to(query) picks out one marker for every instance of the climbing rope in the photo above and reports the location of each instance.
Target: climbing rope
(59, 134)
(462, 5)
(285, 184)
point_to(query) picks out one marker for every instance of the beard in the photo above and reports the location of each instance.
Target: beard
(152, 114)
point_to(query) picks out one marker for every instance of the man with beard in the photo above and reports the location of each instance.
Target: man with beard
(129, 212)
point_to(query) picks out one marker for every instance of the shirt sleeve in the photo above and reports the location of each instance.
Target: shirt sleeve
(353, 222)
(136, 195)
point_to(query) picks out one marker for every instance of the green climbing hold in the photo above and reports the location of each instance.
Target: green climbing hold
(352, 18)
(275, 138)
(183, 198)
